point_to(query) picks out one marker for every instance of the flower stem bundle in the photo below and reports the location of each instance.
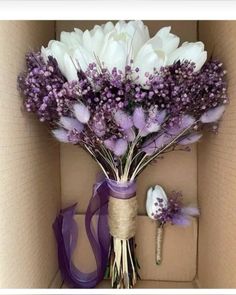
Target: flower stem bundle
(126, 99)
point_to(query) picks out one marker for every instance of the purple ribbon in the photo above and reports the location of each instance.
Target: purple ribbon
(66, 233)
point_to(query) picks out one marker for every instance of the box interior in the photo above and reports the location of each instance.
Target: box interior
(39, 176)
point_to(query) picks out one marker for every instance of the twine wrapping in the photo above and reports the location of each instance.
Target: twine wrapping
(159, 245)
(122, 217)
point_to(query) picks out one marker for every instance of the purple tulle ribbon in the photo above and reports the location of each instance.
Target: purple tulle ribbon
(66, 233)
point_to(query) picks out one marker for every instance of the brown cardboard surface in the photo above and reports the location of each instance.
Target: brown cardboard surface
(217, 172)
(29, 169)
(179, 251)
(177, 171)
(78, 174)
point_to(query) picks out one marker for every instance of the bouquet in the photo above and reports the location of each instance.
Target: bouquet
(126, 99)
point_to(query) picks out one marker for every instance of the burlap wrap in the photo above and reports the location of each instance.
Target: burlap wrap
(122, 217)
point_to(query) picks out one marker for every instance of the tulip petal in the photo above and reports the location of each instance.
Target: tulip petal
(165, 40)
(82, 57)
(146, 61)
(150, 204)
(156, 201)
(70, 70)
(193, 52)
(114, 55)
(71, 39)
(160, 194)
(108, 27)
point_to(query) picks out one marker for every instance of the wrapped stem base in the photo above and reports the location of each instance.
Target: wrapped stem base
(123, 266)
(159, 241)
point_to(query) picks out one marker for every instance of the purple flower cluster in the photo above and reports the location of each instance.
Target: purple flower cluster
(45, 89)
(175, 212)
(177, 89)
(106, 112)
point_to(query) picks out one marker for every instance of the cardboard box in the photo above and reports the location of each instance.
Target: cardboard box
(39, 176)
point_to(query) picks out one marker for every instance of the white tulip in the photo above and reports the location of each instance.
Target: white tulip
(45, 53)
(135, 33)
(82, 58)
(114, 54)
(122, 44)
(146, 60)
(193, 52)
(71, 39)
(93, 40)
(155, 197)
(107, 27)
(57, 50)
(112, 46)
(164, 40)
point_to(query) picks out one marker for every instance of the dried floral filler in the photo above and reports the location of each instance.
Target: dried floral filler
(126, 99)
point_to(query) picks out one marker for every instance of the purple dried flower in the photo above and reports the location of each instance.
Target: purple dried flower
(181, 220)
(74, 136)
(71, 123)
(190, 138)
(184, 122)
(213, 115)
(109, 103)
(150, 127)
(154, 144)
(120, 147)
(191, 211)
(175, 212)
(160, 116)
(45, 89)
(109, 143)
(123, 120)
(81, 112)
(61, 135)
(139, 118)
(129, 134)
(99, 127)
